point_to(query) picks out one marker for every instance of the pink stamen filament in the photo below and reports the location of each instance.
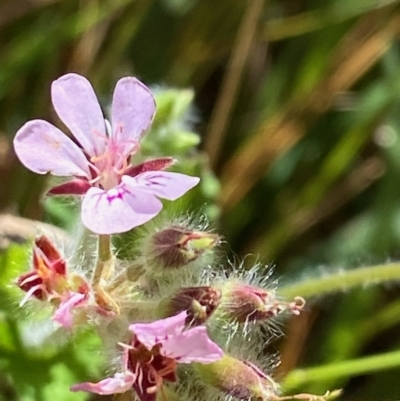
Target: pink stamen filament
(31, 291)
(29, 279)
(156, 377)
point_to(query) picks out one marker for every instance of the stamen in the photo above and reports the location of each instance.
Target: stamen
(29, 279)
(30, 293)
(95, 180)
(121, 170)
(105, 155)
(139, 377)
(154, 377)
(125, 346)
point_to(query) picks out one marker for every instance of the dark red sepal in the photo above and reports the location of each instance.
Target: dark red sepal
(74, 187)
(150, 165)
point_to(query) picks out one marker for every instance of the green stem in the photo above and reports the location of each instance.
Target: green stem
(104, 259)
(336, 370)
(343, 280)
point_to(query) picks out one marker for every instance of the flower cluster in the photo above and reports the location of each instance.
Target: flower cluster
(186, 328)
(116, 195)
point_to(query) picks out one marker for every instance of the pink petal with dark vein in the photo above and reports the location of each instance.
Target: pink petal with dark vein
(77, 106)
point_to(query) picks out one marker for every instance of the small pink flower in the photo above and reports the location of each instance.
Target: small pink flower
(49, 281)
(48, 278)
(152, 356)
(117, 196)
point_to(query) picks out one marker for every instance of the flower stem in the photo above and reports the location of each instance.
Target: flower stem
(299, 377)
(102, 272)
(342, 280)
(104, 263)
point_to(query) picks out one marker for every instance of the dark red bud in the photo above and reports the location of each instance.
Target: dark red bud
(47, 251)
(199, 302)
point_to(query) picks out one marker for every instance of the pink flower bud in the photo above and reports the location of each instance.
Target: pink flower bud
(244, 302)
(240, 379)
(175, 247)
(199, 303)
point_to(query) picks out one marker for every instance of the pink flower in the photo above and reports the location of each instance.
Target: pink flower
(49, 281)
(152, 356)
(117, 196)
(48, 278)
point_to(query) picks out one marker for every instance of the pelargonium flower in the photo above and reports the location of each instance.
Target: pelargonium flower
(152, 356)
(117, 196)
(49, 281)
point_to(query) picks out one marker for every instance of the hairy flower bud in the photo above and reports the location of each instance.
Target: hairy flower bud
(240, 379)
(199, 303)
(244, 302)
(176, 247)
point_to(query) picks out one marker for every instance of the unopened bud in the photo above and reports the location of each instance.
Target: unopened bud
(199, 303)
(177, 247)
(244, 302)
(239, 379)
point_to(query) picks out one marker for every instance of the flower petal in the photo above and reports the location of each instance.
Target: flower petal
(192, 345)
(133, 109)
(77, 106)
(63, 313)
(43, 148)
(120, 383)
(164, 184)
(118, 210)
(150, 334)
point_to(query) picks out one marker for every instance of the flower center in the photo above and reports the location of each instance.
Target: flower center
(150, 368)
(110, 166)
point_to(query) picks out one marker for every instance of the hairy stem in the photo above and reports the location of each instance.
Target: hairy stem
(342, 280)
(104, 263)
(299, 377)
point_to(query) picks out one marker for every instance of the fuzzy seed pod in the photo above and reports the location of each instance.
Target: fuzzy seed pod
(240, 379)
(244, 302)
(176, 247)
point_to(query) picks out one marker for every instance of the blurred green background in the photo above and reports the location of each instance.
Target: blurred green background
(296, 104)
